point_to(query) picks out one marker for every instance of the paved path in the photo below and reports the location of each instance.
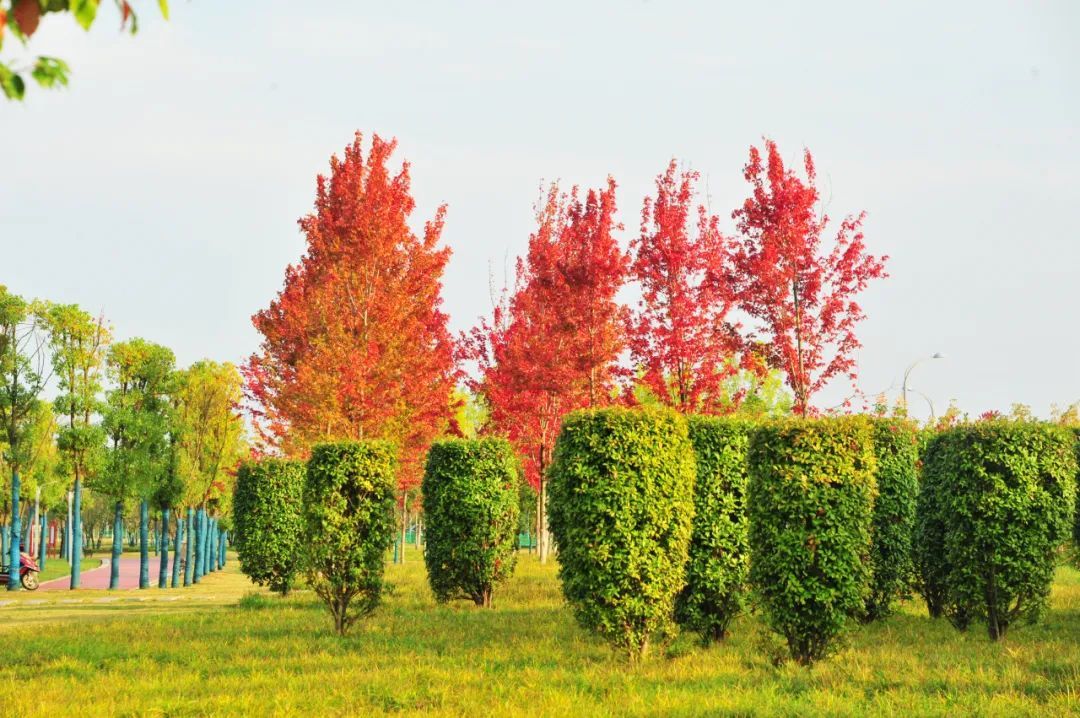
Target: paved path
(99, 577)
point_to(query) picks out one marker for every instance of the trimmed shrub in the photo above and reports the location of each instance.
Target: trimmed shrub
(1076, 502)
(928, 537)
(718, 569)
(811, 498)
(471, 508)
(896, 447)
(621, 506)
(349, 523)
(267, 505)
(1007, 490)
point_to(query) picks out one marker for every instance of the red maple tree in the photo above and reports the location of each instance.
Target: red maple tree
(356, 344)
(552, 346)
(801, 296)
(680, 338)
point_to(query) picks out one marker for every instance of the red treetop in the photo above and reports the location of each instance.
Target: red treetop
(680, 336)
(801, 297)
(552, 347)
(356, 345)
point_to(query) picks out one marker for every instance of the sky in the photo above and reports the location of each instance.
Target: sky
(163, 186)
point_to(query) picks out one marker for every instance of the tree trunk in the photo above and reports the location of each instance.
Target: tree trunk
(211, 537)
(189, 550)
(144, 544)
(198, 545)
(44, 537)
(16, 529)
(177, 544)
(68, 525)
(404, 521)
(117, 545)
(74, 529)
(224, 547)
(163, 572)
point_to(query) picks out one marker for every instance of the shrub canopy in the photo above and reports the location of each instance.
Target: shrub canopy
(471, 506)
(349, 503)
(267, 505)
(718, 568)
(622, 504)
(811, 497)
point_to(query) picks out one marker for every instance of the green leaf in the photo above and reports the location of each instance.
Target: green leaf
(50, 72)
(84, 11)
(13, 86)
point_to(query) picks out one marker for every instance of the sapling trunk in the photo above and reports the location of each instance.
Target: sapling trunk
(163, 573)
(189, 550)
(197, 574)
(117, 544)
(44, 536)
(144, 544)
(13, 548)
(177, 543)
(74, 529)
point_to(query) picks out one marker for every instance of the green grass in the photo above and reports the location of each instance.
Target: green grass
(58, 567)
(228, 649)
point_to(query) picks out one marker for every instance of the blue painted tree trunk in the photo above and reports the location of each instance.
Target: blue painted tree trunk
(224, 546)
(177, 544)
(189, 559)
(44, 537)
(13, 538)
(205, 543)
(163, 573)
(117, 545)
(198, 545)
(144, 544)
(211, 556)
(4, 541)
(75, 545)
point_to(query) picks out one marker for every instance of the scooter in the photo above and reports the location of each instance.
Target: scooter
(28, 572)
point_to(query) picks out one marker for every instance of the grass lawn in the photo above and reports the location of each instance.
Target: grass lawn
(57, 567)
(220, 649)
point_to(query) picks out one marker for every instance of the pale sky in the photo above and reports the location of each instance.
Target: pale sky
(164, 185)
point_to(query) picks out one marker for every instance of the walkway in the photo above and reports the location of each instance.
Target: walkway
(99, 577)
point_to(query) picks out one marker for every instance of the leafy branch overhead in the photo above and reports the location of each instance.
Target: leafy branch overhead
(21, 18)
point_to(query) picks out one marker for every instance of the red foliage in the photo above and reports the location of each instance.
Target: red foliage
(356, 345)
(801, 297)
(680, 337)
(552, 347)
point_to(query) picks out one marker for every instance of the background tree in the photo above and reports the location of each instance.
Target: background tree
(553, 345)
(355, 346)
(801, 298)
(78, 345)
(211, 441)
(21, 18)
(137, 421)
(680, 336)
(23, 363)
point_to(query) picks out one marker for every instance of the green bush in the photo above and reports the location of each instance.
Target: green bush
(267, 506)
(471, 509)
(718, 568)
(1076, 502)
(621, 508)
(896, 447)
(928, 536)
(1006, 491)
(349, 522)
(811, 497)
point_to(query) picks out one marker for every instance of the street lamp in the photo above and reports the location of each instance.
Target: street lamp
(907, 372)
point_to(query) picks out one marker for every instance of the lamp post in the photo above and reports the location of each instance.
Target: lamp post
(907, 372)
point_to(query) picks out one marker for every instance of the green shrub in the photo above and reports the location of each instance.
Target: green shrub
(349, 523)
(811, 497)
(1076, 501)
(267, 505)
(1007, 490)
(471, 509)
(621, 507)
(718, 568)
(928, 537)
(896, 447)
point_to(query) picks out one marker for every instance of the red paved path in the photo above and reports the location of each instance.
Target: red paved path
(99, 577)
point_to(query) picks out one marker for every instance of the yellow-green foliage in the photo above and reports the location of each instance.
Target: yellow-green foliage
(811, 499)
(621, 506)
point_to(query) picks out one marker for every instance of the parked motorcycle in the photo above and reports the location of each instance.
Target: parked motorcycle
(28, 572)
